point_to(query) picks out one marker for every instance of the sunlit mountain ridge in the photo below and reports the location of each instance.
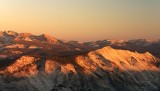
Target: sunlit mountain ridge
(31, 62)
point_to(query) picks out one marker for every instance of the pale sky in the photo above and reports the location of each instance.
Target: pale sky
(83, 20)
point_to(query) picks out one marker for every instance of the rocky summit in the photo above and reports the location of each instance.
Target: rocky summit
(43, 63)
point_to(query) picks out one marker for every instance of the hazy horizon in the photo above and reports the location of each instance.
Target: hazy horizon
(83, 20)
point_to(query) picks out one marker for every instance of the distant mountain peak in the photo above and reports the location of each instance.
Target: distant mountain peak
(48, 36)
(26, 34)
(11, 33)
(51, 39)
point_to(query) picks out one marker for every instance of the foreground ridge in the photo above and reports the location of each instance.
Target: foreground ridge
(104, 69)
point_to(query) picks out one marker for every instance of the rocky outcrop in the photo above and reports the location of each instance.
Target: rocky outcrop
(105, 69)
(25, 66)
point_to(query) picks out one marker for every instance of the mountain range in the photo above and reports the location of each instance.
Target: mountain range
(31, 62)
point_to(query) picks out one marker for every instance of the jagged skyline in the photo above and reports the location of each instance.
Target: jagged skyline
(87, 20)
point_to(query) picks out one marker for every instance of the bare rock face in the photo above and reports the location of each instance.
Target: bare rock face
(105, 69)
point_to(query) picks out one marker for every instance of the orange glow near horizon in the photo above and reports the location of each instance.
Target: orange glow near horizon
(86, 20)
